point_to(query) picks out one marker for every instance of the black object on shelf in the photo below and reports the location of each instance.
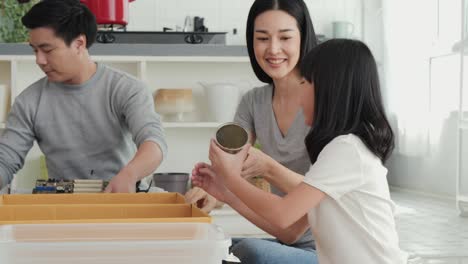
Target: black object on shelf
(105, 37)
(198, 24)
(160, 37)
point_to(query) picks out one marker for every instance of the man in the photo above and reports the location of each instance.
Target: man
(85, 116)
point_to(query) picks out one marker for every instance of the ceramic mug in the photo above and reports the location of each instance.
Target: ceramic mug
(222, 100)
(342, 29)
(231, 137)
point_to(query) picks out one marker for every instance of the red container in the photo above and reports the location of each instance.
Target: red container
(109, 12)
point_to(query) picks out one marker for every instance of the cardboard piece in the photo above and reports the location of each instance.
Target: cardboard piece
(101, 213)
(98, 208)
(93, 198)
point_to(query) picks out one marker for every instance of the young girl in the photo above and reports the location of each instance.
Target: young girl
(344, 195)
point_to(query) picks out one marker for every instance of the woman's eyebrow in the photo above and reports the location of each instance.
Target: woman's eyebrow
(266, 31)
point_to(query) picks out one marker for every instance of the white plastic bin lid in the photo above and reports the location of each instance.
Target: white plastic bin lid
(113, 243)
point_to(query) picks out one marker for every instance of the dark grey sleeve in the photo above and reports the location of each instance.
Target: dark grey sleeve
(244, 113)
(16, 141)
(137, 107)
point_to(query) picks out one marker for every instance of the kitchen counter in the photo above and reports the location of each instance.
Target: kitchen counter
(142, 50)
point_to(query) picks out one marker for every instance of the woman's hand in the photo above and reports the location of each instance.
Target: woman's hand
(205, 178)
(256, 164)
(226, 165)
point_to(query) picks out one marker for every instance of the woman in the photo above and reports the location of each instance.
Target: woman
(345, 195)
(279, 33)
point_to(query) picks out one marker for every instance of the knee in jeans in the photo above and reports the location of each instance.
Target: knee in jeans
(248, 250)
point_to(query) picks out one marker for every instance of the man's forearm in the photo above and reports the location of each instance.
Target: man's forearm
(147, 159)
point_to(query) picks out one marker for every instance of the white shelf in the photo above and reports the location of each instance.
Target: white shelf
(136, 59)
(191, 124)
(176, 125)
(17, 57)
(194, 59)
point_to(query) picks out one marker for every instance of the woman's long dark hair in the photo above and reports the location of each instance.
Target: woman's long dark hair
(347, 97)
(295, 8)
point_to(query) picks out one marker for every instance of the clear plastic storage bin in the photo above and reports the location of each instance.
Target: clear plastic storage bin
(113, 243)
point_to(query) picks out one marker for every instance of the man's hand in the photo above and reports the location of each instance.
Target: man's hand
(203, 200)
(123, 182)
(146, 160)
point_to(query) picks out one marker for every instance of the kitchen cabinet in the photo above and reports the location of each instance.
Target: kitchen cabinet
(159, 66)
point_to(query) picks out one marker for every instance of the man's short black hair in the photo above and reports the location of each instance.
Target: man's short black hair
(68, 18)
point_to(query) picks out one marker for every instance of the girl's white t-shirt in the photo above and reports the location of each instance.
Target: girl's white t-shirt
(355, 222)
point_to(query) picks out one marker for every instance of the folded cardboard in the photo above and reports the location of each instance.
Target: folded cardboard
(101, 213)
(93, 198)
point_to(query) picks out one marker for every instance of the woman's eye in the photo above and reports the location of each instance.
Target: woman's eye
(262, 39)
(285, 38)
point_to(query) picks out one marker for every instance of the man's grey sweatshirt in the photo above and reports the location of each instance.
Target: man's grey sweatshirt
(86, 131)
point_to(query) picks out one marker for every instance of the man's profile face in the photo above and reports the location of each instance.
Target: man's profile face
(57, 60)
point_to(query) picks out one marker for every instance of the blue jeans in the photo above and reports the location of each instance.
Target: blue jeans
(271, 251)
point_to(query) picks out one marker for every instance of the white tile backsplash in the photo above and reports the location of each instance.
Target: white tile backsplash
(142, 15)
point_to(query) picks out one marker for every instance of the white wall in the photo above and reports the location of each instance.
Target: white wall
(421, 90)
(225, 15)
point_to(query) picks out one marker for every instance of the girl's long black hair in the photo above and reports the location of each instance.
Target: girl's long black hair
(348, 99)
